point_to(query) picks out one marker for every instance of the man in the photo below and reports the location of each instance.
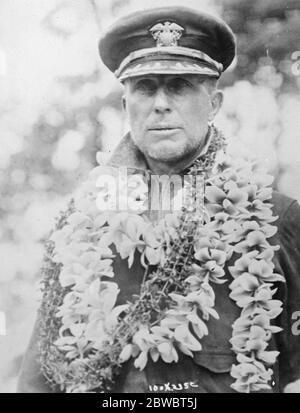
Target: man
(204, 315)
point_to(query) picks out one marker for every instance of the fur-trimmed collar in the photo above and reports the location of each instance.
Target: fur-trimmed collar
(127, 154)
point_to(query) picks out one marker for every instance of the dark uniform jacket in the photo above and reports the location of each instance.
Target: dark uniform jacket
(209, 371)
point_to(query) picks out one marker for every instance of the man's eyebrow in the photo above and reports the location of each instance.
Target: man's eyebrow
(146, 77)
(200, 79)
(135, 81)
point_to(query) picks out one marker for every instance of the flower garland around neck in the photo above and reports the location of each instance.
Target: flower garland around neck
(85, 337)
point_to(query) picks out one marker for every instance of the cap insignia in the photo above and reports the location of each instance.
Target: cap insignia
(166, 34)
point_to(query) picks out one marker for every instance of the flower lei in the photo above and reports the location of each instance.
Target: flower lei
(85, 338)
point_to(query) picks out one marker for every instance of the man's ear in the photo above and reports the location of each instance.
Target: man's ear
(216, 103)
(124, 102)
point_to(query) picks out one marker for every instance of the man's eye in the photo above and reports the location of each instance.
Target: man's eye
(178, 85)
(146, 86)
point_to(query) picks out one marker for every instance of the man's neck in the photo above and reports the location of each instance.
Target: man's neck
(170, 168)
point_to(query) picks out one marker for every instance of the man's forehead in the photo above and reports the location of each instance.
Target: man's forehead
(161, 78)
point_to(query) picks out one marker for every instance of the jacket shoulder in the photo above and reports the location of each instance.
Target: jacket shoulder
(281, 204)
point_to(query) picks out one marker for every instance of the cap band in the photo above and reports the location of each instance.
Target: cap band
(162, 60)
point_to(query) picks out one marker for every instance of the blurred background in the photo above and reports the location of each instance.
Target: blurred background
(60, 111)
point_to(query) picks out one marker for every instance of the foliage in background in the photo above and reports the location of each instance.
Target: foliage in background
(265, 112)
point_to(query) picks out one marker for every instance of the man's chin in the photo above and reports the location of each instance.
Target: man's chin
(169, 155)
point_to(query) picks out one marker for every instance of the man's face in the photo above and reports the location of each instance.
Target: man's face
(169, 114)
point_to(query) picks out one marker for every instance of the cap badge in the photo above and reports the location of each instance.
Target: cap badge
(166, 34)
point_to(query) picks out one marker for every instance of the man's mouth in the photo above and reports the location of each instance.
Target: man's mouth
(164, 128)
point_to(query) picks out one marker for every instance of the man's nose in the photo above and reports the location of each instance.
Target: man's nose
(161, 101)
